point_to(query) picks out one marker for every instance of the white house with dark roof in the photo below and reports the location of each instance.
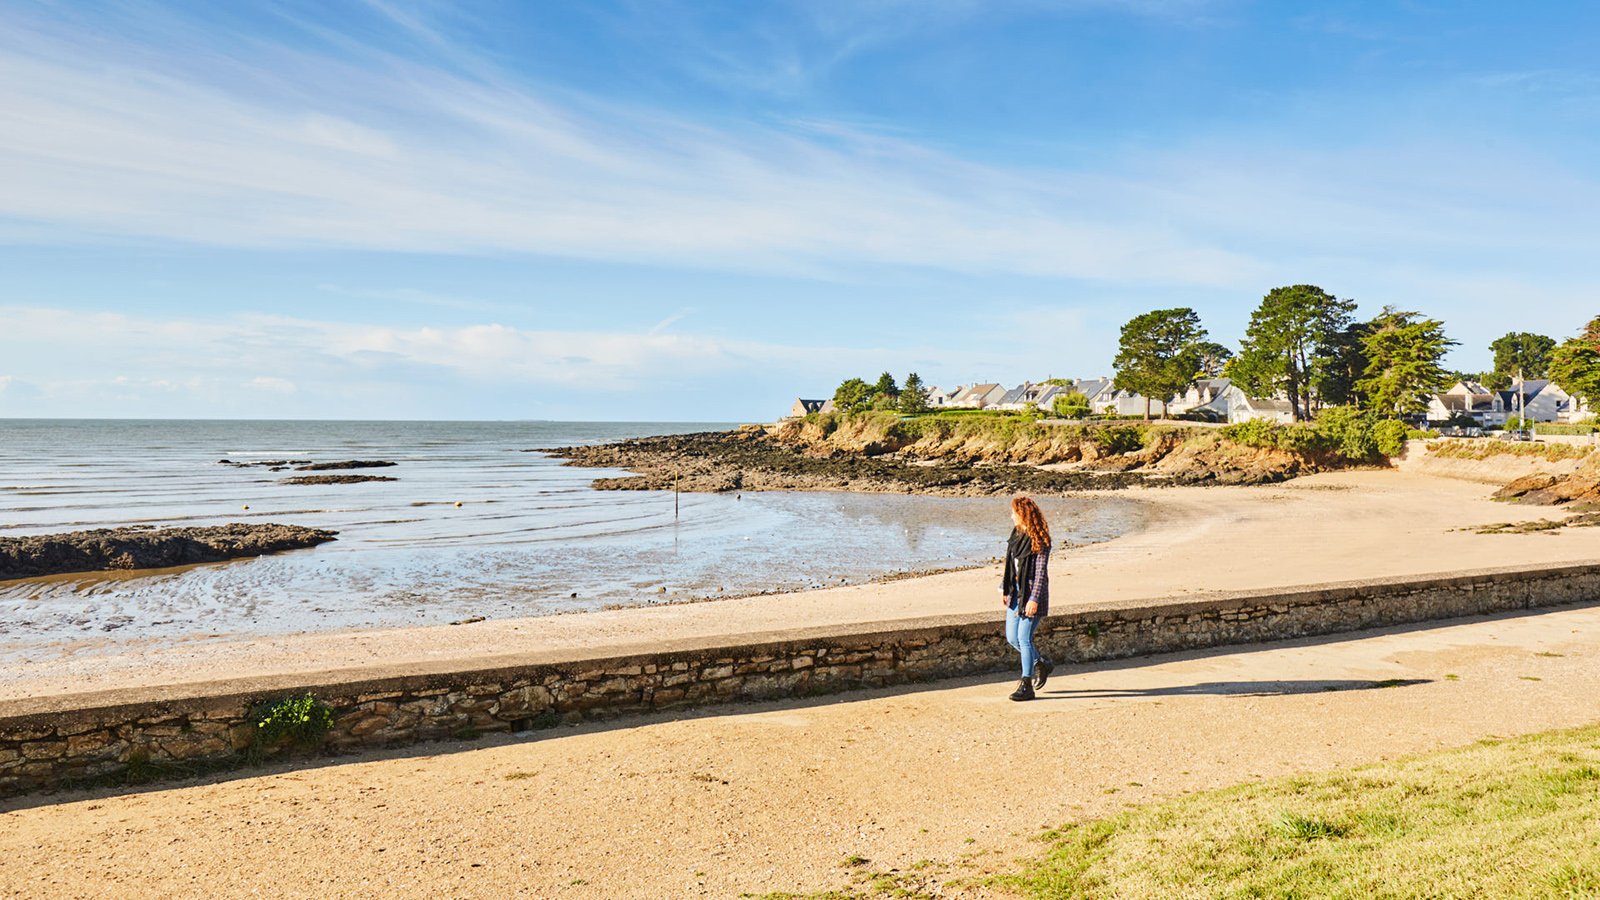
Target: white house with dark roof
(1538, 399)
(1229, 403)
(1100, 392)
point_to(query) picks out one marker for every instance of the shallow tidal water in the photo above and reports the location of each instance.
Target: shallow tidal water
(475, 526)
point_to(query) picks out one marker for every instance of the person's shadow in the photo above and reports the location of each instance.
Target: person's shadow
(1233, 688)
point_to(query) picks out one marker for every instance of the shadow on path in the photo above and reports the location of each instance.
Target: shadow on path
(1231, 688)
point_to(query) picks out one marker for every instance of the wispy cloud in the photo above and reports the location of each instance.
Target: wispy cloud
(304, 366)
(274, 148)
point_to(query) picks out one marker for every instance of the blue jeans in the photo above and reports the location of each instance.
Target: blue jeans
(1019, 634)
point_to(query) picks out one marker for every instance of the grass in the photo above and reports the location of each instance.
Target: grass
(1485, 448)
(1508, 819)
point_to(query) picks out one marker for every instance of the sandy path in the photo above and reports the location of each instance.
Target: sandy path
(1332, 527)
(769, 797)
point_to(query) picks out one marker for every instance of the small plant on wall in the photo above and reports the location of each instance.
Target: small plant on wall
(303, 720)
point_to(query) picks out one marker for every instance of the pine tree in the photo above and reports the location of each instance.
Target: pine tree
(1157, 355)
(1575, 364)
(913, 397)
(1403, 352)
(1288, 344)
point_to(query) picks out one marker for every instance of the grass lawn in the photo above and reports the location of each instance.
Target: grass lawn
(1500, 819)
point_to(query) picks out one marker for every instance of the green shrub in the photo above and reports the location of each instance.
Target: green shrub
(1253, 433)
(1348, 431)
(1515, 423)
(1118, 439)
(303, 719)
(1391, 436)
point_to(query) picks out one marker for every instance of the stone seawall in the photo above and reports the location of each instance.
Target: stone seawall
(52, 742)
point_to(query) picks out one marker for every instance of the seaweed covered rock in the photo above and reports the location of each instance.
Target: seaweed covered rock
(104, 549)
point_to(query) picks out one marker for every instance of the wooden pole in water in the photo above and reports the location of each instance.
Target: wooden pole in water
(675, 476)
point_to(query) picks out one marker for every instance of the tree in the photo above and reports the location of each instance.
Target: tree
(852, 394)
(1286, 348)
(1403, 352)
(1522, 355)
(913, 397)
(885, 386)
(1346, 365)
(1070, 405)
(1575, 365)
(1157, 355)
(1214, 358)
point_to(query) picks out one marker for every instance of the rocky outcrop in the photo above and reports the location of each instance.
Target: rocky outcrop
(1034, 459)
(143, 548)
(336, 479)
(347, 464)
(748, 460)
(1581, 489)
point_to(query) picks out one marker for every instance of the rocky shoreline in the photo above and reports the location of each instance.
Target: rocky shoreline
(748, 460)
(106, 549)
(792, 458)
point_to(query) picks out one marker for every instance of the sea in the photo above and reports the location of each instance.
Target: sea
(479, 522)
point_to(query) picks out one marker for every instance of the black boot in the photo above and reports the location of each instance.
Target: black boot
(1041, 672)
(1024, 690)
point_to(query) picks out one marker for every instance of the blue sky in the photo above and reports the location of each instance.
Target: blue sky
(697, 211)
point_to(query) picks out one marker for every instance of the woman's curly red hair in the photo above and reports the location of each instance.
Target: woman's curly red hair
(1032, 522)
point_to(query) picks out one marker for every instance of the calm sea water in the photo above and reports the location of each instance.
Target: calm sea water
(475, 526)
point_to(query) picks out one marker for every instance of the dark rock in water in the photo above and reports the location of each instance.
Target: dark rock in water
(273, 464)
(336, 479)
(347, 464)
(105, 549)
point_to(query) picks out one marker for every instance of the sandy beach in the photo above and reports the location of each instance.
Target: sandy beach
(908, 783)
(1325, 528)
(920, 784)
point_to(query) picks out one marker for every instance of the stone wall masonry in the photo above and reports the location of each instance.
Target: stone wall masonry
(52, 742)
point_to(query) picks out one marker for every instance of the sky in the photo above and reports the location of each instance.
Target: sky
(655, 210)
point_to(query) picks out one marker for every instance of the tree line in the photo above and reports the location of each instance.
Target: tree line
(856, 394)
(1305, 345)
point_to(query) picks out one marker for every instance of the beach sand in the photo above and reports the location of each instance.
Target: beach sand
(929, 783)
(1325, 528)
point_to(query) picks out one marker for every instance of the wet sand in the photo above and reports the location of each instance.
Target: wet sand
(1324, 528)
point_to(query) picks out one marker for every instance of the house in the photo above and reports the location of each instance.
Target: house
(1012, 399)
(1198, 394)
(1469, 398)
(1575, 410)
(1536, 398)
(937, 399)
(1027, 394)
(1100, 392)
(1229, 403)
(979, 396)
(803, 408)
(1048, 394)
(1483, 410)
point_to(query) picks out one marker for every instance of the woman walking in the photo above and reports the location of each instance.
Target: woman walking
(1025, 590)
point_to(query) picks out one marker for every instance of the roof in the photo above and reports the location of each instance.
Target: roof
(1267, 405)
(1015, 395)
(1092, 387)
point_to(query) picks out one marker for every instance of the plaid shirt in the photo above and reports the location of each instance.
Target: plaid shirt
(1039, 590)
